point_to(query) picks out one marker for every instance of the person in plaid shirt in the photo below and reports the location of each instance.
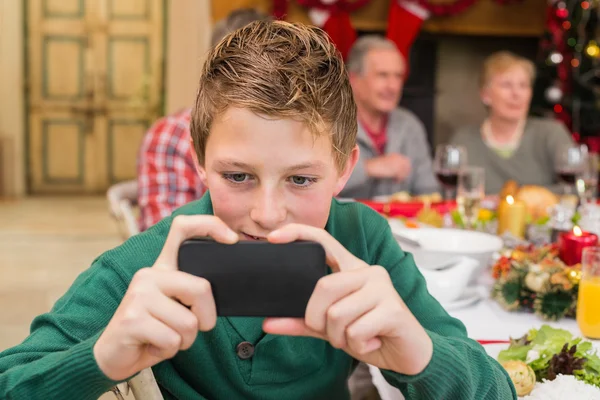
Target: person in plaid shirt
(168, 176)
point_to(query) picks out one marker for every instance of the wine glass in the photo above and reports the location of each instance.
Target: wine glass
(448, 161)
(569, 164)
(470, 193)
(587, 180)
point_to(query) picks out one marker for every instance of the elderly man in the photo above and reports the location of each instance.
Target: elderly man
(394, 153)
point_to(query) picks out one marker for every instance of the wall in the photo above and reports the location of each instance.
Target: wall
(12, 131)
(189, 24)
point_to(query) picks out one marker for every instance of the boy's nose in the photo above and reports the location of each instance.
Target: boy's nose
(268, 211)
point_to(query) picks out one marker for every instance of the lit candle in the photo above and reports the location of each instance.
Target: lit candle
(571, 245)
(512, 215)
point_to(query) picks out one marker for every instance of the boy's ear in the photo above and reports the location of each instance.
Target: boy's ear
(347, 171)
(199, 168)
(202, 173)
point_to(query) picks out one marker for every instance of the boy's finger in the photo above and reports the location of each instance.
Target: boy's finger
(191, 291)
(338, 258)
(163, 340)
(188, 226)
(361, 333)
(329, 290)
(289, 327)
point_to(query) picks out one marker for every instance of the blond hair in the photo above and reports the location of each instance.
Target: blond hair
(500, 62)
(280, 70)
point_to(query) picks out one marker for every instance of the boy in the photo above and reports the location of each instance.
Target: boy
(275, 146)
(167, 176)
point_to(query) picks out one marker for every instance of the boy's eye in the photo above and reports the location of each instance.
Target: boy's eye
(302, 180)
(237, 178)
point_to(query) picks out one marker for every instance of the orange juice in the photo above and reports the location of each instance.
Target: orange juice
(588, 307)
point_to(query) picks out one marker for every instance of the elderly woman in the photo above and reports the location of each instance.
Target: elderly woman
(508, 144)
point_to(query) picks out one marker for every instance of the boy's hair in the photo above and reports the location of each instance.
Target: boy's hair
(500, 62)
(234, 21)
(282, 71)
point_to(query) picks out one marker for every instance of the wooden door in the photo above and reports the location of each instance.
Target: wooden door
(95, 80)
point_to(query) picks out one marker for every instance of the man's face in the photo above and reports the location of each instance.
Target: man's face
(265, 173)
(379, 86)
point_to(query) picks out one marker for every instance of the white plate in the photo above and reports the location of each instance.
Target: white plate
(471, 296)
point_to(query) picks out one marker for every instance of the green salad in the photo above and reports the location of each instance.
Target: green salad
(550, 352)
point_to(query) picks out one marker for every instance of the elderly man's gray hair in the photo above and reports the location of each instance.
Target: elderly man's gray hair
(364, 44)
(235, 20)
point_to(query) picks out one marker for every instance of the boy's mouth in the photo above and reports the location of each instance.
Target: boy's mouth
(251, 237)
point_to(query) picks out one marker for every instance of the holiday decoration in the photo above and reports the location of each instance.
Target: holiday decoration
(572, 243)
(280, 8)
(534, 279)
(404, 23)
(568, 72)
(554, 94)
(405, 18)
(446, 9)
(333, 16)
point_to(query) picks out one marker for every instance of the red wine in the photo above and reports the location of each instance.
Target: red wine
(448, 179)
(567, 177)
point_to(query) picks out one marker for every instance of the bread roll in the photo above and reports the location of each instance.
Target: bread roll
(521, 375)
(538, 200)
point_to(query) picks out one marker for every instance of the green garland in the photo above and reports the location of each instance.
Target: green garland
(536, 280)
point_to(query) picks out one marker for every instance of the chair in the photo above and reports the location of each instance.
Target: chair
(143, 387)
(122, 199)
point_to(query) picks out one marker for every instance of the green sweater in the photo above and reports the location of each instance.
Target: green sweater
(532, 163)
(56, 361)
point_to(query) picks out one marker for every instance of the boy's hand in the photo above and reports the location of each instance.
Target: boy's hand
(152, 323)
(356, 309)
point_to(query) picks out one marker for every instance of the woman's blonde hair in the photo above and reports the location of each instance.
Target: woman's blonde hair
(500, 62)
(280, 70)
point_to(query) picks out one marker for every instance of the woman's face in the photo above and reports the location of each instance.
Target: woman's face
(508, 94)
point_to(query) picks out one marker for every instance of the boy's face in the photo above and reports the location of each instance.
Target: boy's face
(265, 173)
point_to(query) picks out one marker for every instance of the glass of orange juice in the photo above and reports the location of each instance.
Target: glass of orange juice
(588, 302)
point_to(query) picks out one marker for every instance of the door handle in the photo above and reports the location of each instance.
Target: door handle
(88, 111)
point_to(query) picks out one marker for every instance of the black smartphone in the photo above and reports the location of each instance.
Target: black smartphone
(256, 279)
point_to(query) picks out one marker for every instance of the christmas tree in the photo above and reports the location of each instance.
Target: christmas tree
(568, 71)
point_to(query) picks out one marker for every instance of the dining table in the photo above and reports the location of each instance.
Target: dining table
(485, 320)
(488, 323)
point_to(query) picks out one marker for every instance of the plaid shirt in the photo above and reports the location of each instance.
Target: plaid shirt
(167, 176)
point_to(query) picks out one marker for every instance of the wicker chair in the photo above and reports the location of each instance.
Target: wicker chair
(143, 387)
(122, 200)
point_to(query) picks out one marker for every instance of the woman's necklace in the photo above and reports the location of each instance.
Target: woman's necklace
(491, 141)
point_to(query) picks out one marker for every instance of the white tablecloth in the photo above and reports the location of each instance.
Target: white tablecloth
(486, 320)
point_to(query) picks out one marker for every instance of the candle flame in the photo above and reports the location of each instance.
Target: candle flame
(577, 231)
(510, 200)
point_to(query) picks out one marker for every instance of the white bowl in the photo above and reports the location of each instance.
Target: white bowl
(440, 247)
(449, 285)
